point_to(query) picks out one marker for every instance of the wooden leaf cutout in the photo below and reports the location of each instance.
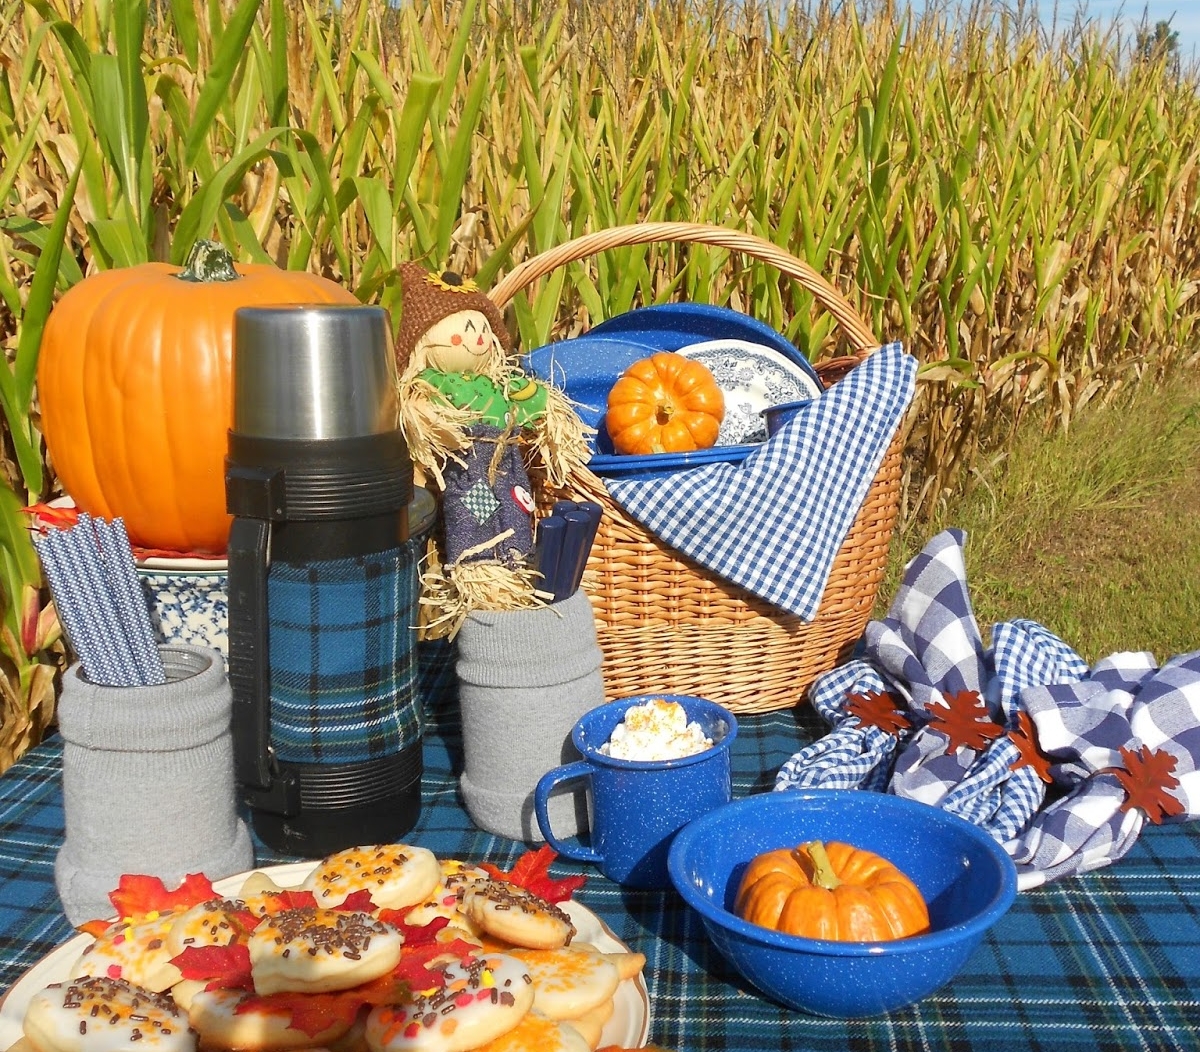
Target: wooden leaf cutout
(1024, 737)
(1147, 780)
(877, 708)
(964, 720)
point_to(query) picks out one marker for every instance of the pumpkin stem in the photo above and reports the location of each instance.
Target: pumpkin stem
(208, 261)
(815, 855)
(663, 413)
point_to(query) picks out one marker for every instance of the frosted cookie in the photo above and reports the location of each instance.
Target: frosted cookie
(590, 1025)
(137, 953)
(483, 998)
(218, 922)
(311, 950)
(536, 1033)
(97, 1014)
(506, 911)
(446, 898)
(569, 983)
(230, 1019)
(396, 875)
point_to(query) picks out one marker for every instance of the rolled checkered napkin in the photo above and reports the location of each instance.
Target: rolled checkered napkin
(927, 650)
(1093, 732)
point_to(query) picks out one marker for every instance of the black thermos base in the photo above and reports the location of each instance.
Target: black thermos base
(345, 806)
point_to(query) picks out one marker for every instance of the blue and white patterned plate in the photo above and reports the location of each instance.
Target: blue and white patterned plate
(752, 377)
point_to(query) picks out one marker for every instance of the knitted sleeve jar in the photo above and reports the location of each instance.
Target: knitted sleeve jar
(525, 677)
(148, 783)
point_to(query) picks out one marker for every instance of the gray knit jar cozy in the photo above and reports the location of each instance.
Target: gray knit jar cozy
(148, 783)
(524, 678)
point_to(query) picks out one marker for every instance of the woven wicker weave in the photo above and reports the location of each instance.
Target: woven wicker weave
(666, 624)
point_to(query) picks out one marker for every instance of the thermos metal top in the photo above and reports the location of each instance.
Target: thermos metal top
(313, 372)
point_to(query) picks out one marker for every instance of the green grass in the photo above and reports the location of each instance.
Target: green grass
(1094, 533)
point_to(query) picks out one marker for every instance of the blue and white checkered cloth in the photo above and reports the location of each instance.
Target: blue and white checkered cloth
(929, 647)
(774, 523)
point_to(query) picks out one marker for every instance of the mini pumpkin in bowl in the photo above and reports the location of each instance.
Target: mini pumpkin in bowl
(963, 878)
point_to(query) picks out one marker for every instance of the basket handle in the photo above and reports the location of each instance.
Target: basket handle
(856, 331)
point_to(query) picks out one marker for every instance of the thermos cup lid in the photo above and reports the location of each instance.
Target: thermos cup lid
(313, 372)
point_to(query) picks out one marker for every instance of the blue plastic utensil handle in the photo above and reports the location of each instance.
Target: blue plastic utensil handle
(580, 532)
(551, 533)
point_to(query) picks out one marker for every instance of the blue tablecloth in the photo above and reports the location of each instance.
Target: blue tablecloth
(1105, 962)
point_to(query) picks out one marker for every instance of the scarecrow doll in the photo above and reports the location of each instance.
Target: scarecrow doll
(475, 425)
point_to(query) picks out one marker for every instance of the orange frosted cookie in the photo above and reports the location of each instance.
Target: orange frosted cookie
(506, 911)
(483, 998)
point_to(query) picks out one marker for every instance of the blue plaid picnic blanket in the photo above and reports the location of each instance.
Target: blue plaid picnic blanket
(343, 659)
(773, 524)
(1086, 723)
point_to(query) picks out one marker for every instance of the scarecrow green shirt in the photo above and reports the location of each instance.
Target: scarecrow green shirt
(519, 398)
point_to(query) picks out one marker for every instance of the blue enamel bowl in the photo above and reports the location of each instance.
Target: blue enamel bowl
(964, 876)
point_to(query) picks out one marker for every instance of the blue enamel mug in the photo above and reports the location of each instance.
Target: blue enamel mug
(637, 806)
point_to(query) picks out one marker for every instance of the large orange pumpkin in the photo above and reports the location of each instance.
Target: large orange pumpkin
(135, 387)
(664, 404)
(831, 891)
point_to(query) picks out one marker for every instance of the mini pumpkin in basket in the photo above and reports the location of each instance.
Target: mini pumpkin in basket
(471, 417)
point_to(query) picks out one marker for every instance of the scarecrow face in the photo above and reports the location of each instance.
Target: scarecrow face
(462, 343)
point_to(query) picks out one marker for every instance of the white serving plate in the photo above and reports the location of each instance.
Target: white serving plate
(752, 377)
(629, 1026)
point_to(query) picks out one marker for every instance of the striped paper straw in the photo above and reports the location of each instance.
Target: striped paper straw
(130, 601)
(73, 604)
(91, 572)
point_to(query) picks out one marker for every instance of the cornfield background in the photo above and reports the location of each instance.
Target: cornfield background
(1021, 210)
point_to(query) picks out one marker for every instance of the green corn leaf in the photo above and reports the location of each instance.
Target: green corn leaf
(130, 25)
(422, 92)
(21, 566)
(187, 30)
(376, 200)
(458, 161)
(16, 387)
(229, 55)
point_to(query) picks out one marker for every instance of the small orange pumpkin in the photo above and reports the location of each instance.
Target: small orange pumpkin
(831, 891)
(664, 404)
(136, 391)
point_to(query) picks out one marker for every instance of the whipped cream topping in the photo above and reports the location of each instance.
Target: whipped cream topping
(655, 730)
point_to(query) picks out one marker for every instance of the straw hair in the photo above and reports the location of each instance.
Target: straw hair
(666, 624)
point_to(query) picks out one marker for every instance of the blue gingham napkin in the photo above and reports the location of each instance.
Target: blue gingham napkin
(774, 523)
(929, 649)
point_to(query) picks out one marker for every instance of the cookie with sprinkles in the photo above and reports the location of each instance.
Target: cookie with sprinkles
(511, 913)
(482, 999)
(396, 875)
(98, 1014)
(137, 953)
(569, 983)
(234, 1019)
(312, 950)
(218, 922)
(537, 1033)
(446, 899)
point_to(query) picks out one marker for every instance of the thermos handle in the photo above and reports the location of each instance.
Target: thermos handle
(263, 785)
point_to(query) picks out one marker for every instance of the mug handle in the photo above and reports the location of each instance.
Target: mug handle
(541, 801)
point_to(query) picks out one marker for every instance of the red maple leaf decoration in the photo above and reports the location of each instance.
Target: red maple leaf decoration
(44, 517)
(278, 901)
(220, 967)
(964, 720)
(358, 902)
(314, 1014)
(1024, 737)
(1147, 780)
(877, 708)
(532, 872)
(137, 895)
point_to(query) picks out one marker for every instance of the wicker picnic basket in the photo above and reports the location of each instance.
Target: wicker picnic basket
(666, 624)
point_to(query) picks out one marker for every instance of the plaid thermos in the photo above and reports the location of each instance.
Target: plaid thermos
(322, 581)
